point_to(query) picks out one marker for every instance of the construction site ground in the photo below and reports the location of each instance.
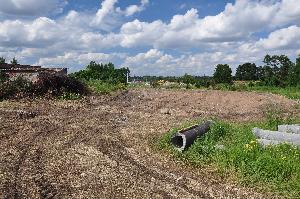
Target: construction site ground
(99, 147)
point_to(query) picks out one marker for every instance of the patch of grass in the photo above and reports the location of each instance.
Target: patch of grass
(290, 92)
(274, 168)
(104, 88)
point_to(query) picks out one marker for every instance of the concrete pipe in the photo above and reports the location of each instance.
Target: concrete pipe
(264, 142)
(289, 128)
(278, 136)
(185, 138)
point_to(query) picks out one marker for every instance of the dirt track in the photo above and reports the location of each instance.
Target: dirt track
(99, 147)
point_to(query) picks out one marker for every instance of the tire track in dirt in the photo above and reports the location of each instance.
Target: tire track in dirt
(23, 149)
(118, 153)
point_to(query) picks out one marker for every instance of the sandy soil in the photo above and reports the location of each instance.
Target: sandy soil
(99, 147)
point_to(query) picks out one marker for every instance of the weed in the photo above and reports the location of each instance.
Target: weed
(290, 92)
(104, 88)
(276, 167)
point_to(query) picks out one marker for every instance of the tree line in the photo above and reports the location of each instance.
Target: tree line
(278, 70)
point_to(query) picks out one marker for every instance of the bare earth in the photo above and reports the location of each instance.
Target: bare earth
(99, 147)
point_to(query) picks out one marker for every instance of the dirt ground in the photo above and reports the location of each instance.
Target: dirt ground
(99, 147)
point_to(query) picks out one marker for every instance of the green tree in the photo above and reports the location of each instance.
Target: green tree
(14, 61)
(104, 72)
(2, 60)
(188, 80)
(294, 76)
(281, 66)
(246, 71)
(223, 74)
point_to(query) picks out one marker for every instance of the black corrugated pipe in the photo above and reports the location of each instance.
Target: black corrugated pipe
(185, 138)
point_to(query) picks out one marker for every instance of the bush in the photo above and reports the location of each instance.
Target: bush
(154, 84)
(104, 88)
(3, 77)
(50, 85)
(203, 83)
(58, 85)
(16, 89)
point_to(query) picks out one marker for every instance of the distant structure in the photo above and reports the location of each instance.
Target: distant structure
(32, 73)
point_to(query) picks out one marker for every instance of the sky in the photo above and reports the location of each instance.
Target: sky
(151, 37)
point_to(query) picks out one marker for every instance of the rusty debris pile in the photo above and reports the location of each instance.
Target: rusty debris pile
(31, 73)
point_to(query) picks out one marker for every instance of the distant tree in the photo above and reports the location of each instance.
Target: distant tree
(14, 61)
(247, 71)
(281, 66)
(104, 72)
(187, 79)
(2, 60)
(223, 74)
(294, 76)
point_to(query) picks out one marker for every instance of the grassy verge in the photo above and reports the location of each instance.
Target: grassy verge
(241, 158)
(104, 88)
(290, 92)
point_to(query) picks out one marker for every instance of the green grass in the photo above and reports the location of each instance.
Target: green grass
(100, 87)
(290, 92)
(242, 159)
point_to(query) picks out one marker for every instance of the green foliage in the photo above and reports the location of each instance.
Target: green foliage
(3, 77)
(54, 85)
(104, 88)
(290, 92)
(17, 88)
(222, 74)
(188, 80)
(154, 84)
(50, 86)
(104, 72)
(2, 60)
(276, 70)
(242, 158)
(247, 71)
(294, 75)
(14, 61)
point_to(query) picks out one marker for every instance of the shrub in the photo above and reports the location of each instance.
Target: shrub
(3, 77)
(16, 89)
(51, 85)
(58, 85)
(104, 88)
(154, 84)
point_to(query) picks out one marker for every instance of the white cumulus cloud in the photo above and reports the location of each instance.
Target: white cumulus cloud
(31, 7)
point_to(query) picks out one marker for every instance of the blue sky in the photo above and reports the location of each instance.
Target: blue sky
(151, 37)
